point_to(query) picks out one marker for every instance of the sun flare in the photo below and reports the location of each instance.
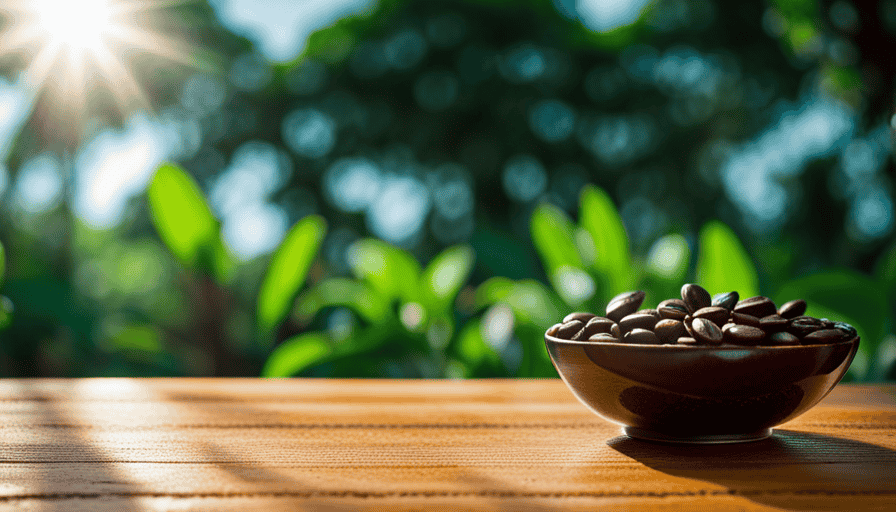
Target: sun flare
(75, 46)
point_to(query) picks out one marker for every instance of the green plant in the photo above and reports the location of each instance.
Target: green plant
(402, 318)
(188, 228)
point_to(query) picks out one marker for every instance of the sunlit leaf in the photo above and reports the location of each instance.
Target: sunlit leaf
(181, 215)
(445, 274)
(287, 271)
(296, 355)
(339, 291)
(723, 264)
(574, 285)
(847, 296)
(530, 300)
(600, 219)
(471, 347)
(668, 258)
(666, 268)
(553, 236)
(391, 271)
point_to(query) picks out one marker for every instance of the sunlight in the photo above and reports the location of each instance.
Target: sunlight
(71, 47)
(74, 26)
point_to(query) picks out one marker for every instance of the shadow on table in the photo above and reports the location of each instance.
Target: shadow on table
(789, 470)
(306, 492)
(66, 457)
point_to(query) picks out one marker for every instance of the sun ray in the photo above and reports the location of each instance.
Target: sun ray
(74, 46)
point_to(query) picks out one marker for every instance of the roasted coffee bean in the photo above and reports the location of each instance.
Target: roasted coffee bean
(743, 334)
(742, 319)
(686, 340)
(726, 300)
(717, 314)
(641, 337)
(553, 330)
(824, 336)
(674, 309)
(783, 338)
(695, 297)
(802, 326)
(624, 304)
(773, 323)
(848, 330)
(580, 316)
(649, 312)
(615, 331)
(569, 329)
(604, 338)
(756, 306)
(793, 309)
(668, 331)
(827, 324)
(706, 331)
(599, 324)
(637, 321)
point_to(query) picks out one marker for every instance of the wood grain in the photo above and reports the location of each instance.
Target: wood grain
(249, 444)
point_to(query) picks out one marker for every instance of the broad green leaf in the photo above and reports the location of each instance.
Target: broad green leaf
(846, 296)
(553, 235)
(471, 347)
(668, 258)
(445, 274)
(181, 215)
(296, 355)
(600, 219)
(391, 271)
(723, 264)
(287, 271)
(530, 300)
(339, 291)
(574, 285)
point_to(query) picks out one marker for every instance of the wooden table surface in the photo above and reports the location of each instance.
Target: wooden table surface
(251, 444)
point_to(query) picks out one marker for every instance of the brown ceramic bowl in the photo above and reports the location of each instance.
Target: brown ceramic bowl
(699, 394)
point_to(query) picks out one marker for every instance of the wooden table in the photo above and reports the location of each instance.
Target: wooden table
(247, 444)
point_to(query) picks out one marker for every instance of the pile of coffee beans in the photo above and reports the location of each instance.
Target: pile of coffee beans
(698, 319)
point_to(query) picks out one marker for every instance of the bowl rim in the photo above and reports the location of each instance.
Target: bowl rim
(713, 348)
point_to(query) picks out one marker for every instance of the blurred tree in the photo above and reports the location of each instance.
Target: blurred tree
(437, 123)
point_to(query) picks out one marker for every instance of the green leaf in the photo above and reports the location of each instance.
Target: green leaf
(471, 346)
(340, 291)
(553, 235)
(296, 355)
(847, 296)
(181, 215)
(723, 264)
(445, 275)
(668, 258)
(287, 271)
(389, 270)
(530, 300)
(2, 263)
(611, 257)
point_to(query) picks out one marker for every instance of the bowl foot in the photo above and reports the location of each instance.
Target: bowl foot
(650, 435)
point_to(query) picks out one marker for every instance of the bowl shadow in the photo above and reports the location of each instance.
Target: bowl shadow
(790, 470)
